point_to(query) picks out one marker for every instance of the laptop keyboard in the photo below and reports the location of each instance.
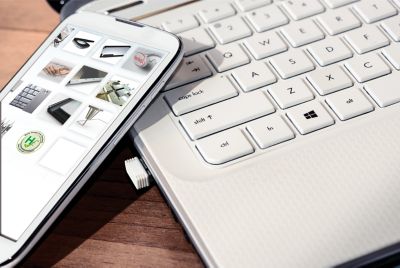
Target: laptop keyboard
(30, 98)
(258, 73)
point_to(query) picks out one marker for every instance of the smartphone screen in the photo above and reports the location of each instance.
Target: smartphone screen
(54, 116)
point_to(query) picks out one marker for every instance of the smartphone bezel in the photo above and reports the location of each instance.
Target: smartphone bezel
(11, 252)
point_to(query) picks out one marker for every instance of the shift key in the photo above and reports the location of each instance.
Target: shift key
(229, 113)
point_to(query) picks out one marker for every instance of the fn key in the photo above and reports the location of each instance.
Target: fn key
(310, 117)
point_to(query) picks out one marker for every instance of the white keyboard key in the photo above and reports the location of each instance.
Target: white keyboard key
(349, 103)
(183, 23)
(392, 27)
(253, 76)
(226, 114)
(300, 9)
(392, 53)
(269, 131)
(246, 5)
(329, 51)
(310, 117)
(191, 69)
(200, 94)
(302, 33)
(267, 18)
(230, 30)
(329, 79)
(292, 63)
(227, 57)
(195, 41)
(338, 3)
(367, 68)
(265, 45)
(385, 91)
(366, 39)
(374, 10)
(217, 12)
(339, 21)
(224, 147)
(288, 93)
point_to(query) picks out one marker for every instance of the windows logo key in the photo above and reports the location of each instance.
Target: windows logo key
(310, 115)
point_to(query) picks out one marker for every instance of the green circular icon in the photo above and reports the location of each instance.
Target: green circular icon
(30, 142)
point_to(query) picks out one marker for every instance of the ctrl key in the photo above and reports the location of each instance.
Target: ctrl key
(224, 146)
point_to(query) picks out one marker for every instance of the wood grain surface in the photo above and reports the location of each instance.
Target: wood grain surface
(109, 223)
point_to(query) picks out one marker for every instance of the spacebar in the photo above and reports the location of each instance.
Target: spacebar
(226, 114)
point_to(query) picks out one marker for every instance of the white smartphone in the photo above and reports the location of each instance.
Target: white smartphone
(64, 111)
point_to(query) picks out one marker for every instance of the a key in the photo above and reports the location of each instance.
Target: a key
(302, 33)
(200, 94)
(300, 9)
(329, 80)
(366, 39)
(253, 76)
(265, 45)
(338, 3)
(183, 23)
(195, 41)
(224, 147)
(292, 63)
(288, 93)
(267, 18)
(226, 114)
(191, 69)
(339, 21)
(217, 12)
(349, 103)
(230, 30)
(392, 53)
(374, 10)
(269, 131)
(310, 117)
(246, 5)
(227, 57)
(385, 91)
(367, 68)
(392, 27)
(329, 51)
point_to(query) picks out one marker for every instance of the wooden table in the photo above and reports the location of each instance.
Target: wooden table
(109, 223)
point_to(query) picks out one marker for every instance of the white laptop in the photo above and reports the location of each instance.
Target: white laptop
(277, 142)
